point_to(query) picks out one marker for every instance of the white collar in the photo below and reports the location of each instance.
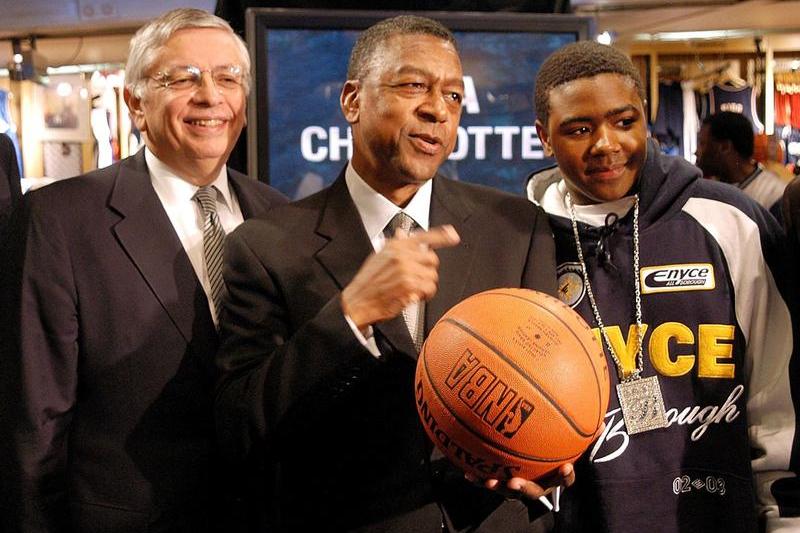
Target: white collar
(376, 210)
(178, 189)
(592, 214)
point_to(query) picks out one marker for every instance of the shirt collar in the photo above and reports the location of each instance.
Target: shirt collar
(751, 177)
(376, 210)
(176, 188)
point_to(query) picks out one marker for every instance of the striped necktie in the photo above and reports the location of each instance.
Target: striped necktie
(213, 242)
(413, 314)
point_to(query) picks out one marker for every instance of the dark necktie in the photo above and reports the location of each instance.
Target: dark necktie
(213, 241)
(413, 317)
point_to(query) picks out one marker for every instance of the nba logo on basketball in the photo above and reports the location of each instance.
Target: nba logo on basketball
(495, 403)
(518, 414)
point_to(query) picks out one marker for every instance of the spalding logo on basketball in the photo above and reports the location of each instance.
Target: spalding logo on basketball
(511, 383)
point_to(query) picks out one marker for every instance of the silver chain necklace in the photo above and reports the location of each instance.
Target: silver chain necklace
(639, 398)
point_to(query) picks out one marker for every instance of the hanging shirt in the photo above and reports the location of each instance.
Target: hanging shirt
(738, 100)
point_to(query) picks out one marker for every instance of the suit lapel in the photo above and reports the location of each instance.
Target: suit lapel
(147, 236)
(450, 206)
(347, 248)
(249, 201)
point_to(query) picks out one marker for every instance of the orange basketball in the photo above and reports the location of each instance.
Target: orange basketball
(511, 383)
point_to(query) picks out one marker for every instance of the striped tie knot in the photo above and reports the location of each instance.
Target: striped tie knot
(207, 198)
(402, 221)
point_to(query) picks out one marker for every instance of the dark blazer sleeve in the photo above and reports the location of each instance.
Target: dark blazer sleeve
(790, 211)
(39, 345)
(10, 186)
(269, 368)
(540, 270)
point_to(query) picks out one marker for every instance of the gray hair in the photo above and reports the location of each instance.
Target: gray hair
(373, 37)
(151, 38)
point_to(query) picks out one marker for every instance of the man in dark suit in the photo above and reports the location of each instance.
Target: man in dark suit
(10, 186)
(109, 305)
(327, 301)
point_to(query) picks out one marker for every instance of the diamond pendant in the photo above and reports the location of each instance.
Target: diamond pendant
(642, 405)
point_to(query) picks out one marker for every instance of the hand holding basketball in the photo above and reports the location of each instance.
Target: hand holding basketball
(517, 487)
(406, 270)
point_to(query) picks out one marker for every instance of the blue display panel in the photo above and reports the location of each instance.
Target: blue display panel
(302, 140)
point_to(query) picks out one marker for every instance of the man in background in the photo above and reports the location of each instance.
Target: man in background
(111, 285)
(725, 152)
(330, 298)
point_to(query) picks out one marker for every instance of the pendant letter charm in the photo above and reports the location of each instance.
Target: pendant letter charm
(642, 405)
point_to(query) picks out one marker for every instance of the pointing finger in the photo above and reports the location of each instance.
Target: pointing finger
(438, 237)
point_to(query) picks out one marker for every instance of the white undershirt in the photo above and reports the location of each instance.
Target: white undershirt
(376, 211)
(184, 213)
(553, 202)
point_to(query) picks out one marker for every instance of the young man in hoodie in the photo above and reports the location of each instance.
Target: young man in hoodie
(682, 280)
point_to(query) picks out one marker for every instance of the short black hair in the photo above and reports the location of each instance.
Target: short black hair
(370, 39)
(734, 127)
(584, 59)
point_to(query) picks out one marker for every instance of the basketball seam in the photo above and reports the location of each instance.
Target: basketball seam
(522, 373)
(481, 437)
(537, 304)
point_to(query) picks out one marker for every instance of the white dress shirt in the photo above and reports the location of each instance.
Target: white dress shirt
(176, 195)
(376, 211)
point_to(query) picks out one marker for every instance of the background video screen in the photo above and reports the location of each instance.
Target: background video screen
(303, 141)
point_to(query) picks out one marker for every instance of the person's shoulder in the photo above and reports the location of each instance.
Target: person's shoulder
(285, 220)
(482, 196)
(6, 143)
(723, 192)
(496, 211)
(735, 198)
(253, 187)
(254, 228)
(773, 176)
(82, 188)
(774, 185)
(76, 205)
(472, 189)
(792, 192)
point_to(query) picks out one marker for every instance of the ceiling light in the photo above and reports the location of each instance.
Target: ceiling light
(704, 35)
(605, 38)
(63, 89)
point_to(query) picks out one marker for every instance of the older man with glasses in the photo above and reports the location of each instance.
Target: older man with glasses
(110, 295)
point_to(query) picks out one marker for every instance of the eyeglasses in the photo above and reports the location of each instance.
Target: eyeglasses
(188, 77)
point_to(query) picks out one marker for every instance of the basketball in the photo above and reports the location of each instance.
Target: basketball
(511, 383)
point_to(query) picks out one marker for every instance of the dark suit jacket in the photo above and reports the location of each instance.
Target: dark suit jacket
(304, 405)
(790, 212)
(107, 358)
(10, 186)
